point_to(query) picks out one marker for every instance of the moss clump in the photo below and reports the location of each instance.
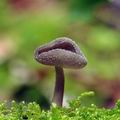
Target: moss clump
(76, 111)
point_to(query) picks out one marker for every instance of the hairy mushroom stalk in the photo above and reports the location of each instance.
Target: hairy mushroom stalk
(61, 53)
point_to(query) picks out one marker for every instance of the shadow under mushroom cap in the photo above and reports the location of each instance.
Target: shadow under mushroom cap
(62, 52)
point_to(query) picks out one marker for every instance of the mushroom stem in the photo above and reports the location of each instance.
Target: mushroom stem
(59, 86)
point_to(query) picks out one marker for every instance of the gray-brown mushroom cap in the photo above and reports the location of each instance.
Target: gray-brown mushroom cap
(62, 52)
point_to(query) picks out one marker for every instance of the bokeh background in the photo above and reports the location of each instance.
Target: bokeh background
(27, 24)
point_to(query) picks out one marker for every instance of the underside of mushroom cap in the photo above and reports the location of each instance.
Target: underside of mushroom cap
(61, 52)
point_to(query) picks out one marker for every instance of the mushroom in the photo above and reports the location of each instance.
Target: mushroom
(61, 53)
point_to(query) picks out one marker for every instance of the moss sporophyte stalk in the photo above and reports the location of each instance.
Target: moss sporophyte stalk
(61, 53)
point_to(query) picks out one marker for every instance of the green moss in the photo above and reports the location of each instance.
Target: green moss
(76, 111)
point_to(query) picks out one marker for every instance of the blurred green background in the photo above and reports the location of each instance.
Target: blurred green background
(27, 24)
